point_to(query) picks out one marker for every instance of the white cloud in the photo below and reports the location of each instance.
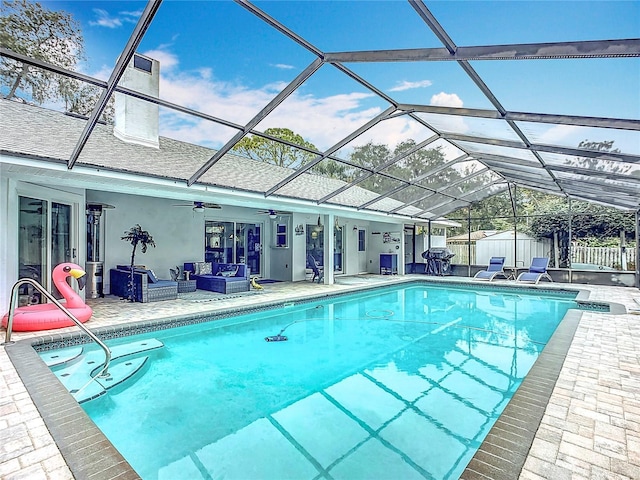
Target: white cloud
(404, 85)
(322, 121)
(556, 134)
(104, 73)
(105, 19)
(443, 99)
(449, 123)
(167, 60)
(132, 16)
(283, 66)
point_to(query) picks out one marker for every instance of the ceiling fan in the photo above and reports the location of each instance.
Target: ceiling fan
(199, 206)
(272, 213)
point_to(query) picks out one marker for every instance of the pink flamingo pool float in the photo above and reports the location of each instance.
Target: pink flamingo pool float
(47, 316)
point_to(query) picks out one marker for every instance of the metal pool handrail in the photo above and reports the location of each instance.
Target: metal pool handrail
(12, 306)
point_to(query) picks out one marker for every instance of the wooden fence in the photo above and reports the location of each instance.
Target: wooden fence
(462, 254)
(604, 256)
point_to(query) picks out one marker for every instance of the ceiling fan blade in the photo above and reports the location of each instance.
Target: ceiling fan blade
(198, 205)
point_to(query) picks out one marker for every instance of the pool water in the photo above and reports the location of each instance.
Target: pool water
(400, 382)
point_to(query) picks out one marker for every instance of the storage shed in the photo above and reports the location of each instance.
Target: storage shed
(522, 247)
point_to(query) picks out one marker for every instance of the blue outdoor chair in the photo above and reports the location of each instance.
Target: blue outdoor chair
(494, 269)
(318, 271)
(537, 270)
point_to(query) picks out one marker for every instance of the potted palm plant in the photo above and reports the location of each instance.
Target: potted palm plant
(136, 236)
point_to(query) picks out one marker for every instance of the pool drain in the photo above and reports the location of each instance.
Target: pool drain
(379, 313)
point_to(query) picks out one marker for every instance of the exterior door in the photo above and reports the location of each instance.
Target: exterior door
(337, 250)
(46, 238)
(409, 248)
(249, 246)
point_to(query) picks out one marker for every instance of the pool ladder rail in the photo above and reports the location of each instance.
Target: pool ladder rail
(104, 371)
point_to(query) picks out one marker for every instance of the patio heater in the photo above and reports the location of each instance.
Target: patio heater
(94, 266)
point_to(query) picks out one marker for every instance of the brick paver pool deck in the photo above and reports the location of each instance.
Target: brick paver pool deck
(589, 428)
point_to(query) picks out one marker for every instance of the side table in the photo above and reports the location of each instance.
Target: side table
(388, 264)
(185, 286)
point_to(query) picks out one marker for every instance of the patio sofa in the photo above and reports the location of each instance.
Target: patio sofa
(147, 287)
(219, 277)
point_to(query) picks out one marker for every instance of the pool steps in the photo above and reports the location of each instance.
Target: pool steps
(75, 368)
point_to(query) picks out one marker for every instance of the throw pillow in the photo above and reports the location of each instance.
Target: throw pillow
(205, 268)
(152, 276)
(229, 271)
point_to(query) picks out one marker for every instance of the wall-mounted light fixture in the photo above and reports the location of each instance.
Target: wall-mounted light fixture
(355, 228)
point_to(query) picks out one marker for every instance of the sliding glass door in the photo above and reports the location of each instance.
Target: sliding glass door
(45, 239)
(231, 242)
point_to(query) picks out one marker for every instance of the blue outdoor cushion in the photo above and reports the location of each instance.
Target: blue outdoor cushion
(152, 276)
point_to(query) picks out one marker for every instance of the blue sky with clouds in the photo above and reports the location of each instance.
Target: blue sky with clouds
(219, 58)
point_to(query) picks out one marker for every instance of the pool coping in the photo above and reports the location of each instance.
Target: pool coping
(89, 453)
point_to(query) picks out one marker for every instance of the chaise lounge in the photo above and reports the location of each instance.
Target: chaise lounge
(219, 277)
(537, 271)
(494, 269)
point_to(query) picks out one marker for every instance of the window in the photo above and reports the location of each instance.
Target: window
(142, 63)
(281, 235)
(361, 237)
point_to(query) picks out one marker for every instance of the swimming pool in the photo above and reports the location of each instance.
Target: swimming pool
(392, 383)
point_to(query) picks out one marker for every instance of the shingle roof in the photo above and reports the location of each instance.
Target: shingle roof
(49, 135)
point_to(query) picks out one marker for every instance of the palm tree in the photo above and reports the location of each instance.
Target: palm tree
(136, 235)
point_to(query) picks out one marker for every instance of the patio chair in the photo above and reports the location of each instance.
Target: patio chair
(318, 270)
(537, 270)
(494, 269)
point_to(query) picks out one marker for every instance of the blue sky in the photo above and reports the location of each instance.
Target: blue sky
(219, 58)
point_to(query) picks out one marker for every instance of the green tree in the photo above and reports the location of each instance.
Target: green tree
(372, 156)
(276, 153)
(415, 164)
(81, 98)
(332, 169)
(408, 164)
(51, 36)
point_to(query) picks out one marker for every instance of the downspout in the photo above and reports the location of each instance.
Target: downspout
(514, 208)
(638, 248)
(570, 242)
(413, 249)
(469, 241)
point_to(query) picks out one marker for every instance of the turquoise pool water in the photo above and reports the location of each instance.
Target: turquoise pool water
(393, 383)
